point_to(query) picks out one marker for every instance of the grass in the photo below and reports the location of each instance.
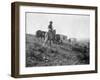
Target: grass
(62, 54)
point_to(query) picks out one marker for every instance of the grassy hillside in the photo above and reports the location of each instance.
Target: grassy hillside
(57, 54)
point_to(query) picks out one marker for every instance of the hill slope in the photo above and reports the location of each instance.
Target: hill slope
(57, 54)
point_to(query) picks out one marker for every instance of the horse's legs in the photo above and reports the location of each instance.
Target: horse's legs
(51, 42)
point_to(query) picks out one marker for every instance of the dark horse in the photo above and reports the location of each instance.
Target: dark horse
(40, 34)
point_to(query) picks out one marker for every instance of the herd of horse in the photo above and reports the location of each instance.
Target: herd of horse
(49, 37)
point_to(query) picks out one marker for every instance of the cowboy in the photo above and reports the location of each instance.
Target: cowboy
(50, 27)
(49, 36)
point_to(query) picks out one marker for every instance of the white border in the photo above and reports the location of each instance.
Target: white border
(69, 68)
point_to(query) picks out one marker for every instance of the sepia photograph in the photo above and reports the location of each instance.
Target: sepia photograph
(57, 39)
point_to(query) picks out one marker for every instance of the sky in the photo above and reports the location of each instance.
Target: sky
(73, 26)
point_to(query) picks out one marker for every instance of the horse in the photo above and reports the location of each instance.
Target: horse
(50, 37)
(57, 38)
(40, 34)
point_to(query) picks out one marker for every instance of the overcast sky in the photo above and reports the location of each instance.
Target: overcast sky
(74, 26)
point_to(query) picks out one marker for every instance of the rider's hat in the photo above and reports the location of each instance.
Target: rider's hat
(51, 22)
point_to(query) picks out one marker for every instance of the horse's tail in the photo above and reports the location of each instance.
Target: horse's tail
(46, 38)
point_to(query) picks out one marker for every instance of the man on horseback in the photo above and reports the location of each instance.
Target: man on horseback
(50, 35)
(50, 26)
